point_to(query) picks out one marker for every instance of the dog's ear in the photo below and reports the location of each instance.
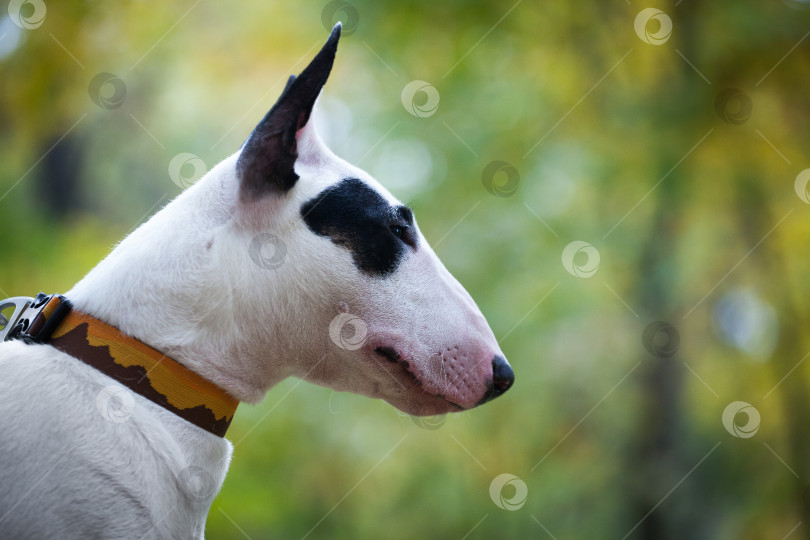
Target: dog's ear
(265, 165)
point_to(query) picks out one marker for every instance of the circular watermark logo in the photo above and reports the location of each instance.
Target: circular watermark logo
(27, 14)
(730, 415)
(653, 26)
(348, 331)
(500, 178)
(335, 408)
(580, 259)
(268, 251)
(342, 11)
(197, 484)
(420, 98)
(430, 423)
(185, 169)
(513, 501)
(661, 339)
(800, 185)
(115, 403)
(733, 106)
(107, 90)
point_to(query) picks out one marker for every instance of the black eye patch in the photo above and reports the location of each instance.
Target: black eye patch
(356, 217)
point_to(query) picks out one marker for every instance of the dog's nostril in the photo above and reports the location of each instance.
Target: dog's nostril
(388, 353)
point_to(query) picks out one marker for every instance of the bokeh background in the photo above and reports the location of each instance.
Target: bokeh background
(623, 192)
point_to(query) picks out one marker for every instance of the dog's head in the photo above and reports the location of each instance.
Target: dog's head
(367, 305)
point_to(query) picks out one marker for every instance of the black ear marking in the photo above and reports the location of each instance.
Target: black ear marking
(288, 85)
(265, 165)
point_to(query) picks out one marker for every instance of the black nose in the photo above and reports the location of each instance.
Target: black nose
(502, 379)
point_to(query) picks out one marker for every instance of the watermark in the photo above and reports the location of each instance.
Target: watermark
(430, 423)
(107, 90)
(572, 259)
(733, 106)
(500, 178)
(653, 26)
(518, 496)
(268, 251)
(751, 426)
(27, 14)
(661, 339)
(115, 403)
(197, 484)
(342, 11)
(329, 405)
(185, 169)
(800, 185)
(348, 331)
(428, 101)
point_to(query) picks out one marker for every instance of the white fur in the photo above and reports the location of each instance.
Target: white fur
(184, 283)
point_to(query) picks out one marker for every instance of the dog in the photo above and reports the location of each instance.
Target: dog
(282, 261)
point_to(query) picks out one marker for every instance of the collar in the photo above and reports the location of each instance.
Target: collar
(139, 367)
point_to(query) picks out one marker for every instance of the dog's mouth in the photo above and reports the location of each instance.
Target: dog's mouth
(389, 353)
(392, 356)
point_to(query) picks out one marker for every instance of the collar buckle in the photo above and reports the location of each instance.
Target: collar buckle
(15, 323)
(30, 321)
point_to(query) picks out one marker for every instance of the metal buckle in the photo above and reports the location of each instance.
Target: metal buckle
(21, 305)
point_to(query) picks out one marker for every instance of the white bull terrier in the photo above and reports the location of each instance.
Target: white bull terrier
(283, 260)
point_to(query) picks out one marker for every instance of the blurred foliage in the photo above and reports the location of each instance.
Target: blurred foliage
(626, 145)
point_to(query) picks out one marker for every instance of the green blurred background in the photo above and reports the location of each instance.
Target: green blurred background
(676, 156)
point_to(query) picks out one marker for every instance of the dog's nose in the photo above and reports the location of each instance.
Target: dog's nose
(502, 378)
(502, 375)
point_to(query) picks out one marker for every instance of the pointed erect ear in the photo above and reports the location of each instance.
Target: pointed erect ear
(265, 165)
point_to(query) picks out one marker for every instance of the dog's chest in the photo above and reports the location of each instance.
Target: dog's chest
(85, 467)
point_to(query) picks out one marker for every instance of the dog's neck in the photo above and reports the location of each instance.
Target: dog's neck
(164, 285)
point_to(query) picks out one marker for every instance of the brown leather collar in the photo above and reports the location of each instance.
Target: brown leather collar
(142, 369)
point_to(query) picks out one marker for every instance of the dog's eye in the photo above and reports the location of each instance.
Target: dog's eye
(404, 233)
